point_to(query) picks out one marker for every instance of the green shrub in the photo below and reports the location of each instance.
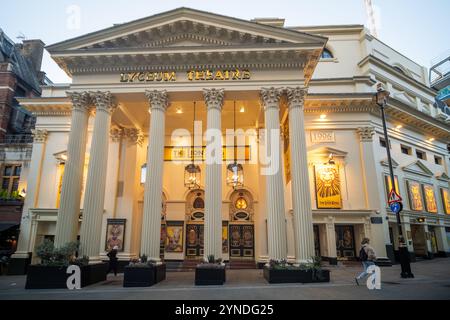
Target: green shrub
(62, 256)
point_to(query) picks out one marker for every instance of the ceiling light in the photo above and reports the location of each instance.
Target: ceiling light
(179, 111)
(323, 116)
(242, 110)
(399, 127)
(431, 139)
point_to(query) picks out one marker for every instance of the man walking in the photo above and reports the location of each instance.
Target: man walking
(367, 257)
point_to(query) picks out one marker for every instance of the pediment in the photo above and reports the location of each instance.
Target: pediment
(443, 177)
(186, 27)
(419, 168)
(385, 163)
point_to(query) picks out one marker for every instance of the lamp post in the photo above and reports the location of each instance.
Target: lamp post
(381, 98)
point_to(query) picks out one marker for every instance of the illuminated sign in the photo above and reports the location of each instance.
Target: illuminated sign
(191, 75)
(328, 186)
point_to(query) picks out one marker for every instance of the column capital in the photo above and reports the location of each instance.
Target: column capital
(116, 134)
(270, 97)
(296, 97)
(81, 101)
(366, 133)
(39, 135)
(158, 99)
(104, 101)
(133, 135)
(214, 98)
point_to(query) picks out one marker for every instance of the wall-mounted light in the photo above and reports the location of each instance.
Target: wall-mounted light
(143, 173)
(323, 116)
(431, 139)
(242, 110)
(179, 111)
(23, 193)
(331, 159)
(399, 127)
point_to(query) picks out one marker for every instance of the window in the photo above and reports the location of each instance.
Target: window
(399, 69)
(421, 155)
(10, 179)
(406, 150)
(383, 143)
(438, 160)
(326, 54)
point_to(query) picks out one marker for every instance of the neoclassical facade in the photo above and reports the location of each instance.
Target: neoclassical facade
(152, 97)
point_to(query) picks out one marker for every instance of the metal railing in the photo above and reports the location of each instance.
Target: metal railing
(17, 139)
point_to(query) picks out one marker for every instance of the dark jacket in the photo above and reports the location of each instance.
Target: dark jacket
(112, 255)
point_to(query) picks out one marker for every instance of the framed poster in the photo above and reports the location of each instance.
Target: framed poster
(415, 195)
(115, 234)
(430, 198)
(328, 186)
(224, 237)
(445, 196)
(174, 236)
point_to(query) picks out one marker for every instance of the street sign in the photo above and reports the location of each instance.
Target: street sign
(394, 197)
(396, 207)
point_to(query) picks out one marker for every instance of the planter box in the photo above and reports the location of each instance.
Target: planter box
(143, 276)
(50, 277)
(209, 276)
(322, 276)
(295, 276)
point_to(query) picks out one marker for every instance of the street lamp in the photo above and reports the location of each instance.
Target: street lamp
(380, 98)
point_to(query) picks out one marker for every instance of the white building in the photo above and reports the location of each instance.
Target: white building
(314, 83)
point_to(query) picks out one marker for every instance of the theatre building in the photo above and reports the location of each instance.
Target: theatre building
(188, 134)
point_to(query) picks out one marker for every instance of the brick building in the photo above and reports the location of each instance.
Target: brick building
(20, 76)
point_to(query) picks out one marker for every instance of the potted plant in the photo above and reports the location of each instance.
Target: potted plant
(210, 272)
(281, 271)
(143, 272)
(51, 272)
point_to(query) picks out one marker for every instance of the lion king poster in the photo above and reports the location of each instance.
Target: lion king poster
(328, 186)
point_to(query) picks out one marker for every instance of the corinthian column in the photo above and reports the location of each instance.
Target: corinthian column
(301, 198)
(276, 220)
(96, 181)
(151, 224)
(213, 178)
(69, 209)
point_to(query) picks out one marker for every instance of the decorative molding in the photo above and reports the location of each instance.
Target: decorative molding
(296, 97)
(214, 98)
(366, 133)
(270, 97)
(158, 99)
(385, 163)
(39, 136)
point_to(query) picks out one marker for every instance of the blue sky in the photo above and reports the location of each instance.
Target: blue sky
(416, 28)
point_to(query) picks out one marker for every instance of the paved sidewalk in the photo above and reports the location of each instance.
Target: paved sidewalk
(432, 281)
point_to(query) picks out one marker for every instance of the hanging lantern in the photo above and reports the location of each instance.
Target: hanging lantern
(192, 175)
(235, 175)
(192, 172)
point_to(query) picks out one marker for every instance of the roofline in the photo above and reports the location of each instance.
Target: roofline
(180, 9)
(329, 27)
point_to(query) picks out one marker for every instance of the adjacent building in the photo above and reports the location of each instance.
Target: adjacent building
(20, 77)
(115, 160)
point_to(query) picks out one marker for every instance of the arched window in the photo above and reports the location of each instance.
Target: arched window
(326, 54)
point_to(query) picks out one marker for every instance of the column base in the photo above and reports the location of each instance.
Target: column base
(19, 263)
(331, 260)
